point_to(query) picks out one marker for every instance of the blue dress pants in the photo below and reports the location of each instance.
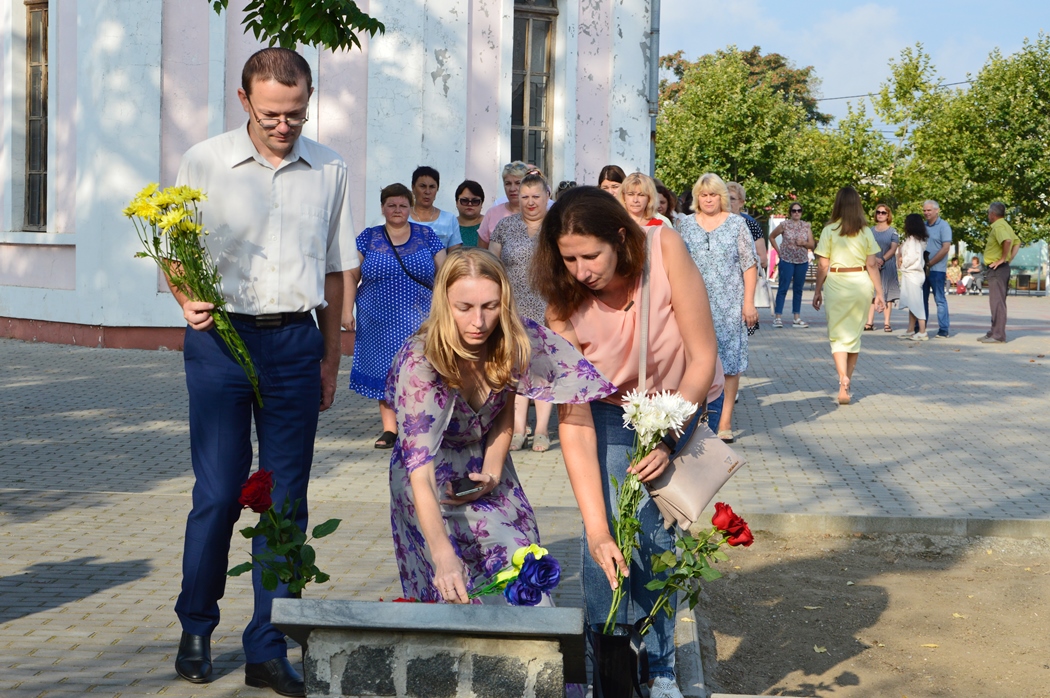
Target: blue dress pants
(614, 441)
(222, 406)
(795, 274)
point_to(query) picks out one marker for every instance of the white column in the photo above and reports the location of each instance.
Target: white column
(446, 26)
(563, 128)
(628, 98)
(118, 152)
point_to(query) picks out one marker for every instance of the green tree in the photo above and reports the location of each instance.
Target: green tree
(1001, 128)
(970, 146)
(333, 24)
(718, 121)
(853, 153)
(794, 85)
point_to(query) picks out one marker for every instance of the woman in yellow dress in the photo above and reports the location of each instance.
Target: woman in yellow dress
(847, 250)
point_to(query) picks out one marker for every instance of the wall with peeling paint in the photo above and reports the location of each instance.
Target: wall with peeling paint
(134, 83)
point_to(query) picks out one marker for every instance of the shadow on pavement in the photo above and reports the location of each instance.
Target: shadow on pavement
(800, 616)
(48, 585)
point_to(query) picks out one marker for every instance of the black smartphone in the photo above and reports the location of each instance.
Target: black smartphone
(462, 487)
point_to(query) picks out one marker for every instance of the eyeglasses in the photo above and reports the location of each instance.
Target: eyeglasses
(469, 202)
(795, 210)
(882, 213)
(273, 123)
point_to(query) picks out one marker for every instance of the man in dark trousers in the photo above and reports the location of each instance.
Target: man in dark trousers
(999, 248)
(280, 231)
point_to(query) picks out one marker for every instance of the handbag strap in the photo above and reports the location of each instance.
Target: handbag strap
(643, 311)
(393, 248)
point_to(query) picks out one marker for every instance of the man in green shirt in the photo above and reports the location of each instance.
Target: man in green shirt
(1000, 247)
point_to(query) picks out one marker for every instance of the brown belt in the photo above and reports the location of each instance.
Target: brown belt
(840, 269)
(271, 320)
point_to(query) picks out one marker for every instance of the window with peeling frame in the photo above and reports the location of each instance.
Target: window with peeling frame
(532, 85)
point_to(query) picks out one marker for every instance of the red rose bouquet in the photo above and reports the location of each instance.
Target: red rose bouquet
(695, 559)
(289, 558)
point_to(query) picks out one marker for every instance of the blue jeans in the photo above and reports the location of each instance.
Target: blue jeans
(796, 274)
(614, 441)
(222, 408)
(714, 412)
(935, 282)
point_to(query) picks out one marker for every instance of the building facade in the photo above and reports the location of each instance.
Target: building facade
(102, 97)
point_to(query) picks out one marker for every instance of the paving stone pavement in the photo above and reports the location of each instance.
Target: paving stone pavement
(95, 481)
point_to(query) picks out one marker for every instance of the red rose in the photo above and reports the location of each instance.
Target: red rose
(741, 536)
(255, 493)
(723, 515)
(724, 518)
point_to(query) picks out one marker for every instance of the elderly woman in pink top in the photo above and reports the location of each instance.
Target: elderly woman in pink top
(588, 264)
(513, 173)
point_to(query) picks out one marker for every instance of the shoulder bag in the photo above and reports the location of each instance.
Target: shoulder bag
(393, 248)
(700, 462)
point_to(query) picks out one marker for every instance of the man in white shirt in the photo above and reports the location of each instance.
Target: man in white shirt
(280, 231)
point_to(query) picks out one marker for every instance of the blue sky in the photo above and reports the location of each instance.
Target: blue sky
(850, 43)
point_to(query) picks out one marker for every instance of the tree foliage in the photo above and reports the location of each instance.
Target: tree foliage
(794, 85)
(332, 24)
(743, 116)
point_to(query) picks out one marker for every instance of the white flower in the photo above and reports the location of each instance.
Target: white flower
(653, 416)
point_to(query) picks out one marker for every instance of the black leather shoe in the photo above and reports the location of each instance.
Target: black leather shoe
(278, 674)
(193, 662)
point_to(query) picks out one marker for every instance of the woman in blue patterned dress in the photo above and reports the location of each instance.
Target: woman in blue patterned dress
(721, 246)
(453, 387)
(392, 290)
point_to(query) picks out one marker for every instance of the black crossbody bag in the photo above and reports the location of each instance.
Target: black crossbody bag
(393, 248)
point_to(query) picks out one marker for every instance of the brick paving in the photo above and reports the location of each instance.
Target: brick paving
(95, 481)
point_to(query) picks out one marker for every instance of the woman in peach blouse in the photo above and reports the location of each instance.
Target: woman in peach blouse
(588, 264)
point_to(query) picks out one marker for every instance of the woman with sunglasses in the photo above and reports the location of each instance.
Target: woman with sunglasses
(888, 239)
(794, 263)
(469, 198)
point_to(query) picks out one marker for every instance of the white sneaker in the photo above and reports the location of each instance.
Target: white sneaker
(799, 322)
(777, 322)
(906, 335)
(664, 687)
(919, 337)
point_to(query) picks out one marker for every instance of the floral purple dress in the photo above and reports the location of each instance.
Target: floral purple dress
(436, 426)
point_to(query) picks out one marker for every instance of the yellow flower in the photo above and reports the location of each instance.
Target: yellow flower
(506, 575)
(519, 555)
(172, 218)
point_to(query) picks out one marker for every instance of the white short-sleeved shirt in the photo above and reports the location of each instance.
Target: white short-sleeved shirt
(446, 227)
(274, 232)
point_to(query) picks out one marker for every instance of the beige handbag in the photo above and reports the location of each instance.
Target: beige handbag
(701, 462)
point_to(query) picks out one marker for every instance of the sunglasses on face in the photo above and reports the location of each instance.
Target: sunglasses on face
(881, 213)
(469, 202)
(796, 210)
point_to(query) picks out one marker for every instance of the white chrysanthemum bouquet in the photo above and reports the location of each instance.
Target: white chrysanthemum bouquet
(651, 417)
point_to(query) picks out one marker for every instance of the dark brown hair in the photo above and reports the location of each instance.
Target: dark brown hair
(395, 189)
(848, 212)
(280, 64)
(915, 227)
(612, 173)
(583, 211)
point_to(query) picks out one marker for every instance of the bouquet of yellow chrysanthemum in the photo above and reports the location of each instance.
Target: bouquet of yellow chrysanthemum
(169, 225)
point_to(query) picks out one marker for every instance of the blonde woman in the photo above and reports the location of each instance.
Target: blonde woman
(638, 195)
(721, 245)
(452, 385)
(513, 242)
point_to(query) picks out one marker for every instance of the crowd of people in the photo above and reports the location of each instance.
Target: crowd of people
(463, 319)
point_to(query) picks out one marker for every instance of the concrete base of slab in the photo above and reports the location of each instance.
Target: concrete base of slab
(832, 524)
